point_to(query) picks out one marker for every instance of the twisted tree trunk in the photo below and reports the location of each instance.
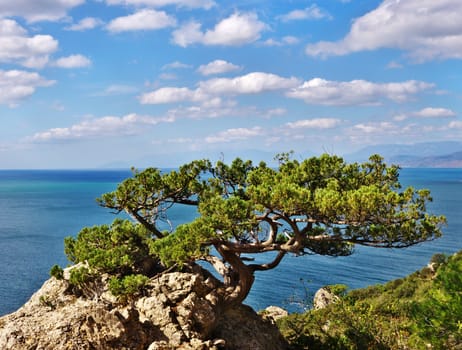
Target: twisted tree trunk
(238, 279)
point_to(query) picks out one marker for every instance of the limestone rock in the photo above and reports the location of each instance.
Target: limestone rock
(274, 313)
(243, 329)
(178, 311)
(323, 297)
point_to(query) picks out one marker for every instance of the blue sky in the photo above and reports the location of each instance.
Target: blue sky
(93, 83)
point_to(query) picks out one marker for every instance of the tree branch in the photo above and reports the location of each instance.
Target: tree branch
(145, 223)
(271, 265)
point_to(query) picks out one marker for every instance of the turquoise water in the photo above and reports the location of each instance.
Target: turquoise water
(39, 208)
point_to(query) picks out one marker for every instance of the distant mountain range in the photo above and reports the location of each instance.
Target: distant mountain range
(418, 155)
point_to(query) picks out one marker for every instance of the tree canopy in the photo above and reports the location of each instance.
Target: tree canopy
(321, 205)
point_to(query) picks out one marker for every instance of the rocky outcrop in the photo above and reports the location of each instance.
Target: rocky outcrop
(177, 311)
(274, 313)
(324, 297)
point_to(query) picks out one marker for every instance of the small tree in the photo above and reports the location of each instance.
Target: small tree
(320, 205)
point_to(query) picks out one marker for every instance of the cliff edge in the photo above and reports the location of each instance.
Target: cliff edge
(176, 311)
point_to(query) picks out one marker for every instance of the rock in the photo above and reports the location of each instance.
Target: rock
(178, 311)
(323, 297)
(273, 313)
(243, 329)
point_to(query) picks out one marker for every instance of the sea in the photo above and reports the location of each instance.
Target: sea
(39, 208)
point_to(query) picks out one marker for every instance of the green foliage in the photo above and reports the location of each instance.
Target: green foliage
(439, 317)
(80, 276)
(337, 289)
(319, 205)
(407, 313)
(183, 246)
(128, 286)
(57, 272)
(121, 248)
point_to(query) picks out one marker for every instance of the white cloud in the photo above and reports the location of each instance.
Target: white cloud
(72, 61)
(168, 76)
(287, 40)
(317, 123)
(375, 128)
(130, 124)
(252, 83)
(217, 67)
(457, 124)
(176, 65)
(236, 30)
(85, 24)
(16, 85)
(311, 12)
(145, 19)
(170, 95)
(234, 135)
(290, 40)
(28, 51)
(117, 89)
(205, 4)
(394, 65)
(187, 34)
(426, 29)
(356, 92)
(38, 10)
(431, 112)
(276, 112)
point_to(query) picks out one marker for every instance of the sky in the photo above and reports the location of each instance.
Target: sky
(116, 83)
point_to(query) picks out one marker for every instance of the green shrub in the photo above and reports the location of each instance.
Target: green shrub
(80, 276)
(338, 289)
(438, 318)
(121, 248)
(407, 313)
(57, 272)
(127, 286)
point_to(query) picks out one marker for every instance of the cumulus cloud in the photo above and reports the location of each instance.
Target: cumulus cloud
(235, 135)
(310, 12)
(171, 95)
(145, 19)
(16, 85)
(217, 67)
(236, 30)
(317, 123)
(205, 4)
(252, 83)
(130, 124)
(426, 30)
(356, 92)
(429, 112)
(85, 24)
(38, 10)
(28, 51)
(72, 61)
